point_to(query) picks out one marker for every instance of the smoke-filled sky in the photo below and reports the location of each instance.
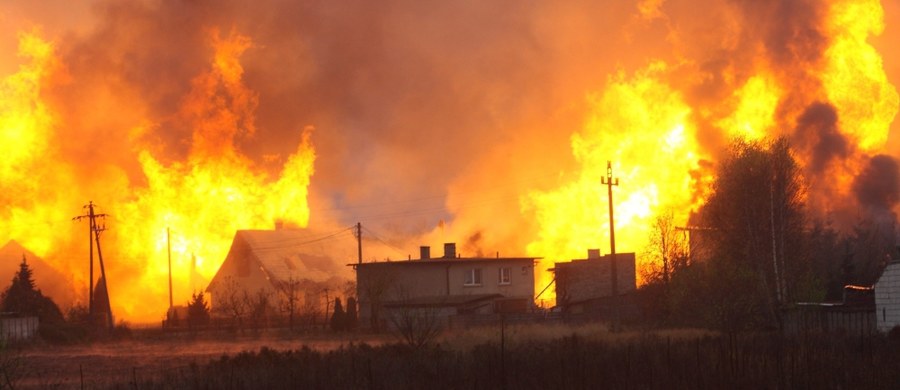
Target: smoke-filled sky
(461, 121)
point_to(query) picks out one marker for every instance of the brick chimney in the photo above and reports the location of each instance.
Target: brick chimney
(449, 250)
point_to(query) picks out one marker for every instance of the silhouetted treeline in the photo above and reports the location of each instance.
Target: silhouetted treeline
(756, 248)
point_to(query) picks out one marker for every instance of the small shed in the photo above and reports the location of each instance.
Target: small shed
(887, 296)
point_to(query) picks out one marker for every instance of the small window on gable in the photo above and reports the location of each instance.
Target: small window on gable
(503, 275)
(473, 277)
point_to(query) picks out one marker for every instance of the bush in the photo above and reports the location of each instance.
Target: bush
(198, 310)
(338, 319)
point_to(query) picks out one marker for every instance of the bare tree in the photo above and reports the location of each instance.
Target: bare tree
(310, 310)
(289, 298)
(373, 286)
(668, 244)
(415, 325)
(234, 302)
(259, 306)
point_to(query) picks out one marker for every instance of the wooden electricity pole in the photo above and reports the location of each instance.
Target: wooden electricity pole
(94, 230)
(614, 273)
(169, 249)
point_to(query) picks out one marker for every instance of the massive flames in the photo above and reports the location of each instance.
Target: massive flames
(163, 135)
(195, 204)
(651, 134)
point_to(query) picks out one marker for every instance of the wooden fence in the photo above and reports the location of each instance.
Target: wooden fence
(830, 319)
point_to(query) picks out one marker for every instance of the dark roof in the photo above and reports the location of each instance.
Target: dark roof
(575, 262)
(443, 300)
(443, 260)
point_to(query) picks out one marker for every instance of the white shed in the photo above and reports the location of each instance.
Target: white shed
(887, 297)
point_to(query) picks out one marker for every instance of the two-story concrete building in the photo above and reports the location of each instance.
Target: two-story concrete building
(444, 286)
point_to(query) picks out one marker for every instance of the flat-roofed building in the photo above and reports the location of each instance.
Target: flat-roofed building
(584, 283)
(443, 287)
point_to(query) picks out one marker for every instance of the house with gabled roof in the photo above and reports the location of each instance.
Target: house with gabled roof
(266, 263)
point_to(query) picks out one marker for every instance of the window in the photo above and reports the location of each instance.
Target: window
(503, 275)
(473, 277)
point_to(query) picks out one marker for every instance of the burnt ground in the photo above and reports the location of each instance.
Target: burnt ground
(101, 363)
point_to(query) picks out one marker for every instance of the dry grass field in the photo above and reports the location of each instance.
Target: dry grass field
(147, 355)
(520, 356)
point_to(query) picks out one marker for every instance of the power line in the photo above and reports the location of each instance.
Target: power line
(299, 244)
(377, 238)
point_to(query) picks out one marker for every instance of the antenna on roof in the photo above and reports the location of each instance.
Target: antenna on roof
(359, 242)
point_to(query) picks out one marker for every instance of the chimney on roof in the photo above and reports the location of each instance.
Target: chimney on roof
(449, 250)
(424, 252)
(593, 253)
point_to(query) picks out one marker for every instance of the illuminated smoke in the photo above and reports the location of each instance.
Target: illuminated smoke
(464, 121)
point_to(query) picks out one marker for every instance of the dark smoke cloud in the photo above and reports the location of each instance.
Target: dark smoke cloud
(410, 98)
(878, 186)
(785, 41)
(793, 33)
(407, 97)
(817, 134)
(784, 38)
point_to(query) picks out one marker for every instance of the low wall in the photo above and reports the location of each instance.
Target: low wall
(18, 328)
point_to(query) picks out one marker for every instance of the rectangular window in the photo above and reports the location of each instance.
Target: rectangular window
(503, 276)
(473, 277)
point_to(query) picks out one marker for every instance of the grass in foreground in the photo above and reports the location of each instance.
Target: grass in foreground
(561, 358)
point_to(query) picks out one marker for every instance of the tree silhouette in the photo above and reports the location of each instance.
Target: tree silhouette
(338, 320)
(24, 298)
(198, 310)
(757, 217)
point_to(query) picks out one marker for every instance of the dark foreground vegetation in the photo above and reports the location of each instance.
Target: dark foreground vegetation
(641, 361)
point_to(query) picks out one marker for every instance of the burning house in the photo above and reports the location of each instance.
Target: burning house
(585, 285)
(275, 265)
(443, 287)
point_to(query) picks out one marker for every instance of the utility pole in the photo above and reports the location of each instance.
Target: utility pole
(359, 242)
(169, 248)
(610, 182)
(327, 306)
(94, 236)
(108, 309)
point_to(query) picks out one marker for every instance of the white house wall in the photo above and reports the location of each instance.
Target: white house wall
(887, 298)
